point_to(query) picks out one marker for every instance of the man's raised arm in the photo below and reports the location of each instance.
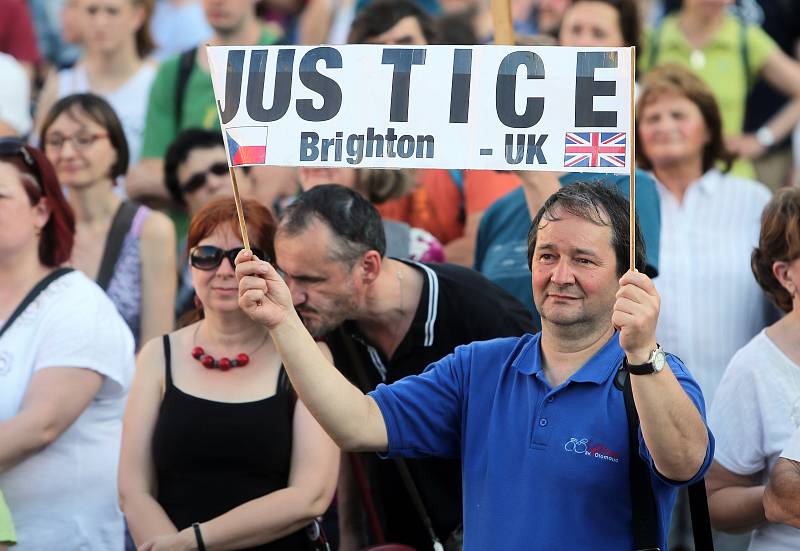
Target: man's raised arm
(351, 418)
(672, 426)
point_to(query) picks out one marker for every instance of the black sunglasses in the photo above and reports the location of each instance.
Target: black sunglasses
(209, 257)
(199, 179)
(15, 147)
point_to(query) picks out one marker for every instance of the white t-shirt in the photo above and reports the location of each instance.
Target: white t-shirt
(129, 101)
(65, 496)
(753, 417)
(792, 450)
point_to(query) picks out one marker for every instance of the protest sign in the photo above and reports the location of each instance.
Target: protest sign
(478, 107)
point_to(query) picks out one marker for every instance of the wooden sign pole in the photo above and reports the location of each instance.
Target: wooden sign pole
(236, 198)
(632, 161)
(503, 27)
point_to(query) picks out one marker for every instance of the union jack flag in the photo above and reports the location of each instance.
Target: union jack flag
(595, 149)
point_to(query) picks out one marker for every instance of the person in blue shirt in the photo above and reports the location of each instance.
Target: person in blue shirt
(501, 249)
(537, 421)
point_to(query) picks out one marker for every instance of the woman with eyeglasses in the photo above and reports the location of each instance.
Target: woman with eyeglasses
(66, 362)
(128, 249)
(216, 450)
(116, 41)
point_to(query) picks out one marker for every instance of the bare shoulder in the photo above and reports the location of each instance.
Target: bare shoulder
(151, 360)
(157, 226)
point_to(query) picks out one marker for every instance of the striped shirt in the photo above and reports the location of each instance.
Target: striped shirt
(711, 304)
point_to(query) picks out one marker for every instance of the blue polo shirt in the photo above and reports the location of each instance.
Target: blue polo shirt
(543, 468)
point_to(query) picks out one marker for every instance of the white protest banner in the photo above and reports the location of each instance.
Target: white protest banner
(478, 107)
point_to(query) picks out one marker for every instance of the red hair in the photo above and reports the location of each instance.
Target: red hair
(222, 212)
(58, 234)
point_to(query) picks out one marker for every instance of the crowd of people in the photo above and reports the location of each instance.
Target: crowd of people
(164, 388)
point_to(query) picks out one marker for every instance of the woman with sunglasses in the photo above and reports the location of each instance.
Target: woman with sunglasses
(216, 451)
(195, 172)
(66, 361)
(128, 249)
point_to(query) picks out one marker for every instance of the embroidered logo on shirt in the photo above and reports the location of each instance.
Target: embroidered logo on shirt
(588, 448)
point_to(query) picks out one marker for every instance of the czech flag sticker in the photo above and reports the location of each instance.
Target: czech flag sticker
(247, 145)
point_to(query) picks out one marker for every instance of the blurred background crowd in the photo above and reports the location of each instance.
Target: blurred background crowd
(115, 99)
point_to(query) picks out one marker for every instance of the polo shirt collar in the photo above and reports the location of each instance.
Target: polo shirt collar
(596, 370)
(423, 326)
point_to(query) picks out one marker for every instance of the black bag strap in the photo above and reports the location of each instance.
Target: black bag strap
(643, 504)
(32, 294)
(744, 52)
(120, 227)
(644, 512)
(402, 467)
(416, 499)
(185, 66)
(701, 522)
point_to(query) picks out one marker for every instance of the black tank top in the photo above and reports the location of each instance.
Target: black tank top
(211, 457)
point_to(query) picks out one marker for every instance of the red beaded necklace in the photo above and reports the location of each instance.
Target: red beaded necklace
(223, 364)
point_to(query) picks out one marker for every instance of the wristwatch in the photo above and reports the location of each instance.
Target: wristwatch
(655, 363)
(765, 137)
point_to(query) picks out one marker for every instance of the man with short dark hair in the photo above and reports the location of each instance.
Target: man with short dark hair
(182, 96)
(385, 318)
(538, 421)
(396, 22)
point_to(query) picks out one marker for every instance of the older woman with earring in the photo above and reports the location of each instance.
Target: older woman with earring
(216, 450)
(66, 360)
(757, 406)
(128, 249)
(729, 56)
(710, 305)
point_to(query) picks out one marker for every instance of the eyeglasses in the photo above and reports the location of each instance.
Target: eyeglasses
(199, 179)
(209, 257)
(10, 147)
(80, 142)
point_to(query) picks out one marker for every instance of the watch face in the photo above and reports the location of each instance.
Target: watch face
(659, 360)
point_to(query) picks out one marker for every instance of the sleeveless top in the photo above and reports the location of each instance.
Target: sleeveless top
(129, 100)
(125, 287)
(211, 457)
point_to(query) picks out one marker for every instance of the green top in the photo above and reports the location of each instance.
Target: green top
(199, 105)
(7, 535)
(720, 63)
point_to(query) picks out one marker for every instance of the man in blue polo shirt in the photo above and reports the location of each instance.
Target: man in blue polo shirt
(501, 246)
(537, 421)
